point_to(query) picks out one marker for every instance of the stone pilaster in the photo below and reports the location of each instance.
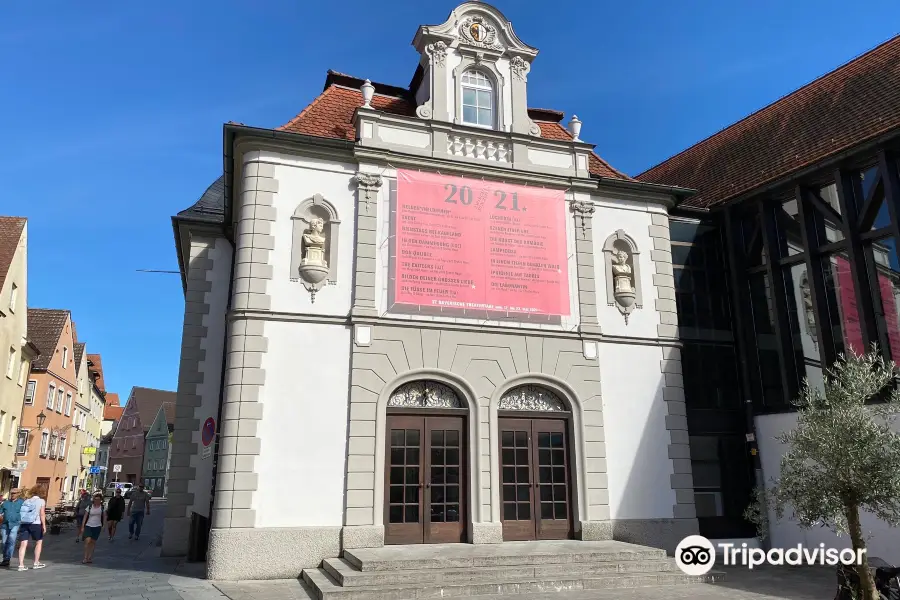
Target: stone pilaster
(663, 279)
(682, 480)
(368, 186)
(190, 376)
(584, 257)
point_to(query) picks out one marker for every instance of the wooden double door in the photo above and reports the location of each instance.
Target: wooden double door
(425, 479)
(536, 491)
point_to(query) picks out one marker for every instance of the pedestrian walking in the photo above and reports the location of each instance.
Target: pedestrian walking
(115, 510)
(11, 514)
(84, 500)
(138, 506)
(91, 527)
(33, 526)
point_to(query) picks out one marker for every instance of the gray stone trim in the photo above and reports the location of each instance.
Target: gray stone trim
(362, 536)
(487, 533)
(190, 376)
(368, 186)
(269, 553)
(246, 343)
(583, 211)
(663, 280)
(682, 482)
(656, 533)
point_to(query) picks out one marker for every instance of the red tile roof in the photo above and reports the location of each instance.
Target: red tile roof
(10, 234)
(97, 367)
(848, 106)
(331, 115)
(112, 399)
(45, 325)
(112, 413)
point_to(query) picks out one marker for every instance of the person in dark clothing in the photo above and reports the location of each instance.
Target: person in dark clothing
(84, 501)
(115, 510)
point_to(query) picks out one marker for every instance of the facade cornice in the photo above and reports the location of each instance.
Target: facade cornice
(349, 321)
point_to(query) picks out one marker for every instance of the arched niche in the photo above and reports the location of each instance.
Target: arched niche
(623, 273)
(303, 222)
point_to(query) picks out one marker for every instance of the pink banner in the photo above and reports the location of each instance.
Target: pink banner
(480, 245)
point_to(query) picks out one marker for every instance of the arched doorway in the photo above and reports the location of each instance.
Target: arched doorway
(425, 491)
(536, 491)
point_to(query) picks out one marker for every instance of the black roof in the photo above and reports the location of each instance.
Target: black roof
(210, 208)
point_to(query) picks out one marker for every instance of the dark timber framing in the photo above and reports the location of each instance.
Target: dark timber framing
(854, 218)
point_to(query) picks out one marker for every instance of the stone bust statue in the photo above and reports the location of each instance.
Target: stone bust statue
(314, 243)
(622, 272)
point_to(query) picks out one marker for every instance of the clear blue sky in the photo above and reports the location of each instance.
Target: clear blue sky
(113, 111)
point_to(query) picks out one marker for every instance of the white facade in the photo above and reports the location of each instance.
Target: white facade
(307, 408)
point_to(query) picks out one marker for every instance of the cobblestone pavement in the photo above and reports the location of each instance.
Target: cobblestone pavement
(124, 570)
(772, 583)
(121, 570)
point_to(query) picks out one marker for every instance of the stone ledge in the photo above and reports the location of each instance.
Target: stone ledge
(241, 554)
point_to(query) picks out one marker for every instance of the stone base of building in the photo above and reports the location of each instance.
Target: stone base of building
(595, 531)
(363, 536)
(487, 533)
(269, 552)
(657, 533)
(176, 536)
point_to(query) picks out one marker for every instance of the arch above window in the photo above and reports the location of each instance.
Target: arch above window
(424, 394)
(531, 397)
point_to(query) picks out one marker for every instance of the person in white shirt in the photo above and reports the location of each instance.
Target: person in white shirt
(91, 526)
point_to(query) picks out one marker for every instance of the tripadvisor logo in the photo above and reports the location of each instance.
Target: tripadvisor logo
(696, 555)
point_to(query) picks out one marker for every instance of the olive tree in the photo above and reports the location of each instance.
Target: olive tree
(843, 457)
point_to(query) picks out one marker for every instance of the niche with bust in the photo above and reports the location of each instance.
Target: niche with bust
(623, 273)
(314, 247)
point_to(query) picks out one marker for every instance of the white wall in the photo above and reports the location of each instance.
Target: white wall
(299, 179)
(304, 426)
(884, 541)
(634, 219)
(637, 442)
(211, 368)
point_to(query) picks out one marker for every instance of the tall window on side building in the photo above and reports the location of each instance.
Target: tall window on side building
(477, 99)
(60, 399)
(13, 298)
(69, 404)
(51, 396)
(22, 442)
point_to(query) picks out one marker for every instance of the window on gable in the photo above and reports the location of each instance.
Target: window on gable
(13, 297)
(65, 357)
(11, 362)
(477, 99)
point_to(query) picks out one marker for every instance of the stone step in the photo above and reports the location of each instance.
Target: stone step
(347, 575)
(324, 587)
(456, 556)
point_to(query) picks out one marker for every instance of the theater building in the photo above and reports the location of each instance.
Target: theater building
(434, 315)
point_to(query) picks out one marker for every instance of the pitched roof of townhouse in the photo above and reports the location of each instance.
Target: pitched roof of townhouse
(79, 352)
(111, 399)
(148, 401)
(330, 115)
(45, 325)
(10, 233)
(97, 365)
(853, 104)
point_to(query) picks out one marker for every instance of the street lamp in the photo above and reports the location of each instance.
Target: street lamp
(40, 419)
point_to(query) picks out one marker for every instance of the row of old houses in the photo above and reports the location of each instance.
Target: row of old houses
(55, 410)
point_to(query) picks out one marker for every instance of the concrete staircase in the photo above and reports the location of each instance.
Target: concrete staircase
(463, 570)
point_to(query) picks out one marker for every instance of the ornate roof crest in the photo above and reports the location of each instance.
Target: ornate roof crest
(476, 30)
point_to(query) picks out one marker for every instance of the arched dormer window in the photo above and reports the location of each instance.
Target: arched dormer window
(477, 99)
